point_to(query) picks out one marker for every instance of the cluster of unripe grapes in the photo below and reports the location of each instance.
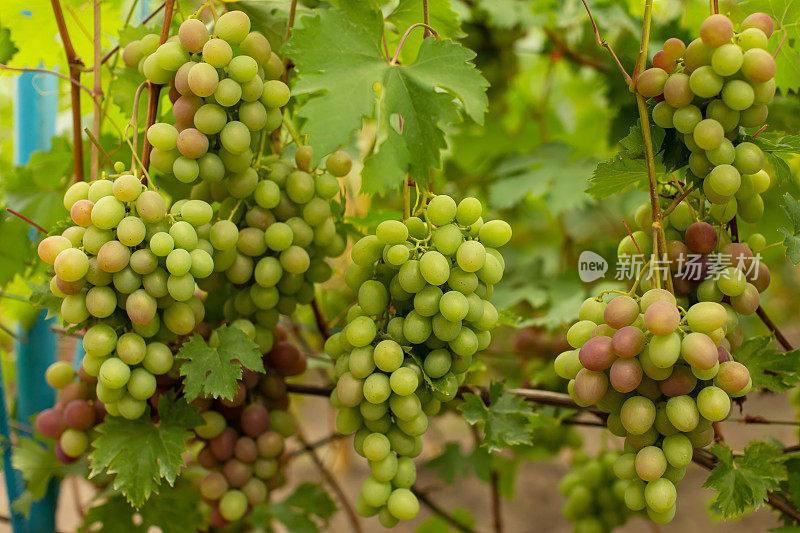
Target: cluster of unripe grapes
(590, 504)
(273, 246)
(70, 421)
(126, 271)
(243, 438)
(663, 379)
(225, 93)
(423, 313)
(709, 91)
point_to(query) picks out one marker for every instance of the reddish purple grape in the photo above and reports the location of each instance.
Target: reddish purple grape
(246, 450)
(716, 30)
(206, 458)
(73, 391)
(238, 399)
(590, 386)
(237, 473)
(761, 21)
(628, 342)
(79, 414)
(255, 420)
(662, 318)
(625, 375)
(223, 444)
(732, 377)
(621, 311)
(50, 422)
(596, 353)
(701, 238)
(680, 382)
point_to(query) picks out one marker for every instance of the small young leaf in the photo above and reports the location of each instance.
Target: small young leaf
(214, 372)
(769, 368)
(505, 420)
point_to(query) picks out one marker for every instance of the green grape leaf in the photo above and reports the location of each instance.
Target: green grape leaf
(7, 48)
(565, 297)
(349, 81)
(213, 372)
(791, 208)
(43, 298)
(505, 420)
(385, 168)
(617, 175)
(549, 174)
(173, 510)
(38, 465)
(370, 221)
(743, 483)
(508, 13)
(305, 511)
(769, 368)
(453, 463)
(17, 247)
(409, 12)
(139, 453)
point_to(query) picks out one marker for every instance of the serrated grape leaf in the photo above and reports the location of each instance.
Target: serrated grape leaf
(743, 483)
(441, 17)
(769, 368)
(453, 463)
(140, 453)
(173, 510)
(304, 511)
(213, 372)
(437, 524)
(505, 421)
(385, 167)
(617, 175)
(38, 465)
(7, 48)
(791, 241)
(343, 79)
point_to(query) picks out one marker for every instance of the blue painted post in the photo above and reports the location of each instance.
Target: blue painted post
(34, 124)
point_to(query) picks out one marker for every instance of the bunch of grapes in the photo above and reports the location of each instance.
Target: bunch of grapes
(705, 264)
(126, 271)
(710, 90)
(243, 438)
(226, 94)
(423, 312)
(590, 504)
(272, 247)
(76, 412)
(662, 378)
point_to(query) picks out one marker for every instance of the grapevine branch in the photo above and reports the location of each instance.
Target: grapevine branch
(75, 64)
(322, 324)
(572, 54)
(435, 509)
(425, 18)
(326, 474)
(154, 90)
(762, 314)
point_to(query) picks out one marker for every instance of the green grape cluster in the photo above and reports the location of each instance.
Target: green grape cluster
(270, 249)
(226, 94)
(126, 271)
(590, 504)
(423, 313)
(663, 379)
(709, 92)
(243, 438)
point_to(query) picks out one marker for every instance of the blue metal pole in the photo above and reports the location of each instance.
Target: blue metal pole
(34, 124)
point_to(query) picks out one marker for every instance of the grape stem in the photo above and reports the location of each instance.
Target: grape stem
(319, 318)
(572, 54)
(26, 219)
(762, 314)
(780, 45)
(713, 6)
(604, 44)
(75, 63)
(98, 88)
(54, 73)
(425, 18)
(326, 474)
(423, 498)
(628, 229)
(641, 59)
(96, 145)
(678, 200)
(405, 36)
(761, 130)
(154, 89)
